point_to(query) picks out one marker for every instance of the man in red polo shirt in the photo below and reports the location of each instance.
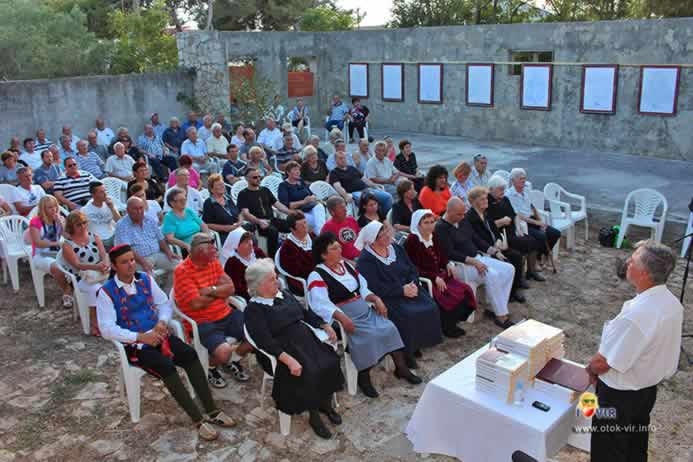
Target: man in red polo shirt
(201, 288)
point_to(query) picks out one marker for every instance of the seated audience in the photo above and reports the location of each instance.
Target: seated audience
(480, 173)
(335, 136)
(152, 208)
(238, 139)
(153, 148)
(296, 254)
(232, 170)
(313, 169)
(67, 131)
(205, 131)
(462, 184)
(201, 289)
(358, 118)
(269, 135)
(181, 223)
(256, 205)
(94, 146)
(83, 255)
(89, 161)
(157, 125)
(340, 146)
(173, 138)
(120, 164)
(217, 143)
(392, 277)
(194, 200)
(436, 193)
(277, 110)
(350, 184)
(72, 187)
(405, 163)
(257, 160)
(403, 209)
(225, 125)
(299, 117)
(104, 134)
(250, 141)
(286, 130)
(197, 150)
(15, 146)
(152, 188)
(519, 198)
(339, 293)
(314, 141)
(336, 114)
(46, 230)
(360, 158)
(191, 121)
(26, 195)
(308, 371)
(501, 211)
(391, 154)
(295, 195)
(193, 177)
(102, 214)
(42, 142)
(459, 243)
(67, 149)
(219, 212)
(143, 234)
(47, 173)
(29, 156)
(238, 253)
(286, 152)
(454, 298)
(369, 210)
(8, 171)
(133, 309)
(343, 226)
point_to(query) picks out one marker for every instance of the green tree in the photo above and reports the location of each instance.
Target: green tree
(327, 18)
(97, 12)
(251, 15)
(661, 8)
(38, 42)
(420, 13)
(142, 42)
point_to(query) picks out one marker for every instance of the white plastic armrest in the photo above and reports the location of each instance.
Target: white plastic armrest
(238, 302)
(177, 329)
(121, 351)
(429, 285)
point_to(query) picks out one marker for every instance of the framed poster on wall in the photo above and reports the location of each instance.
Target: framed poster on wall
(659, 90)
(535, 88)
(479, 85)
(392, 79)
(358, 80)
(599, 84)
(430, 83)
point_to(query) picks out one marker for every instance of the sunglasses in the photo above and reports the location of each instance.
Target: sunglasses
(254, 177)
(70, 165)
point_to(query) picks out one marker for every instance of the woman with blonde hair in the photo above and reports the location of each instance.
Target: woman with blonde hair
(45, 233)
(84, 255)
(463, 184)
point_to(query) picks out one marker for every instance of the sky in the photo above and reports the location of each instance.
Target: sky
(377, 11)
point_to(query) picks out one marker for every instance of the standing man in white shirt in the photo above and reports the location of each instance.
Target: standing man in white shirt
(104, 135)
(639, 348)
(102, 214)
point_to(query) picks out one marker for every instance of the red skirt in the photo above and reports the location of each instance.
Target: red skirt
(456, 293)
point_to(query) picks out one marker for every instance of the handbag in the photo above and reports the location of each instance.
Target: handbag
(93, 276)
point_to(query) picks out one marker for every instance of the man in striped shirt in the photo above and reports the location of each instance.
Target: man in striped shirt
(72, 188)
(42, 142)
(89, 161)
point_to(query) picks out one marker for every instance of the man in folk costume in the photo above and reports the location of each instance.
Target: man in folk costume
(133, 309)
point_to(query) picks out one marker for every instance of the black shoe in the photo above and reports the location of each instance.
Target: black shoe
(365, 385)
(489, 314)
(518, 297)
(409, 377)
(411, 362)
(454, 332)
(215, 379)
(332, 415)
(318, 427)
(504, 324)
(536, 276)
(523, 284)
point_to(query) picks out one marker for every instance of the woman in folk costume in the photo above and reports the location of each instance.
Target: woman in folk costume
(296, 253)
(132, 309)
(455, 298)
(240, 251)
(337, 292)
(392, 277)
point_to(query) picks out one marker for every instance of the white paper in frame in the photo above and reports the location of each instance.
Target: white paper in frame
(393, 82)
(480, 84)
(658, 90)
(599, 89)
(430, 83)
(358, 80)
(536, 87)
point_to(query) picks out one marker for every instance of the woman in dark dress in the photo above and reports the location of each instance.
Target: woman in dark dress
(455, 298)
(501, 211)
(295, 195)
(238, 253)
(308, 372)
(393, 278)
(369, 210)
(405, 206)
(490, 238)
(405, 162)
(296, 253)
(313, 168)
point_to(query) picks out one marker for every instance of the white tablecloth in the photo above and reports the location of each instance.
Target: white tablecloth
(455, 419)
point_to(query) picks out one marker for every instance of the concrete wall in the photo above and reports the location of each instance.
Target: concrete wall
(122, 100)
(621, 42)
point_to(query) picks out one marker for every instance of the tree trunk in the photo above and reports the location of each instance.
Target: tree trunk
(210, 14)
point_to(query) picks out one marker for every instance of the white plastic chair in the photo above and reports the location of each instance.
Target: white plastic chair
(556, 218)
(272, 182)
(117, 190)
(644, 204)
(237, 187)
(285, 275)
(80, 305)
(555, 192)
(687, 241)
(323, 191)
(7, 193)
(204, 194)
(466, 278)
(12, 230)
(503, 174)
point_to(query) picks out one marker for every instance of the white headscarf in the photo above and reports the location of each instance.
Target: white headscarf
(368, 234)
(414, 226)
(231, 246)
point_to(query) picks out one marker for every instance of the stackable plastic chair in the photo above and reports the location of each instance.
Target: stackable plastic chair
(466, 278)
(7, 192)
(12, 230)
(237, 187)
(644, 203)
(117, 190)
(556, 193)
(285, 275)
(80, 306)
(503, 174)
(272, 182)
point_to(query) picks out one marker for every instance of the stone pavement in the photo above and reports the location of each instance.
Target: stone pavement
(605, 178)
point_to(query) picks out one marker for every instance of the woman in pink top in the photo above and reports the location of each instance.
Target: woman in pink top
(185, 161)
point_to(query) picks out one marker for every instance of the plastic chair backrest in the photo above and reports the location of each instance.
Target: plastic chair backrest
(12, 230)
(536, 197)
(272, 182)
(553, 191)
(285, 275)
(115, 188)
(237, 187)
(503, 174)
(645, 202)
(322, 190)
(204, 194)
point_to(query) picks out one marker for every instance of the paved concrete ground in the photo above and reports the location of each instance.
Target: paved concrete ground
(604, 178)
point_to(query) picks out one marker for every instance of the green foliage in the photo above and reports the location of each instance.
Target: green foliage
(39, 42)
(327, 18)
(279, 15)
(254, 97)
(142, 43)
(97, 12)
(422, 13)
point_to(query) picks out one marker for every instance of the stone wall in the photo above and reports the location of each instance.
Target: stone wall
(122, 100)
(627, 43)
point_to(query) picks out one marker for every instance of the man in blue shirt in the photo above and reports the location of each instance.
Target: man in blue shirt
(173, 139)
(48, 172)
(233, 167)
(337, 113)
(191, 122)
(197, 150)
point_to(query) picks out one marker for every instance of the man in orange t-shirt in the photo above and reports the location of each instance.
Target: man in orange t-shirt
(200, 289)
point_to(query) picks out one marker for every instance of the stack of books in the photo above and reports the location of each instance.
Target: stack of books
(536, 341)
(498, 373)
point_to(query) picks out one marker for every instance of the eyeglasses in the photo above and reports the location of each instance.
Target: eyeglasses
(70, 165)
(254, 177)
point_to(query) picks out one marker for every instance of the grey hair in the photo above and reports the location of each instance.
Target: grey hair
(314, 138)
(658, 260)
(207, 117)
(174, 119)
(333, 202)
(336, 133)
(517, 173)
(118, 144)
(216, 125)
(256, 273)
(173, 194)
(309, 151)
(190, 130)
(496, 181)
(82, 142)
(65, 138)
(380, 143)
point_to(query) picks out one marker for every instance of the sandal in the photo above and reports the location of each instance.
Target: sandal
(207, 432)
(221, 419)
(215, 379)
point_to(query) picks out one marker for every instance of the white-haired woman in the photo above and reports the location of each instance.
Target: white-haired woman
(519, 198)
(313, 168)
(308, 371)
